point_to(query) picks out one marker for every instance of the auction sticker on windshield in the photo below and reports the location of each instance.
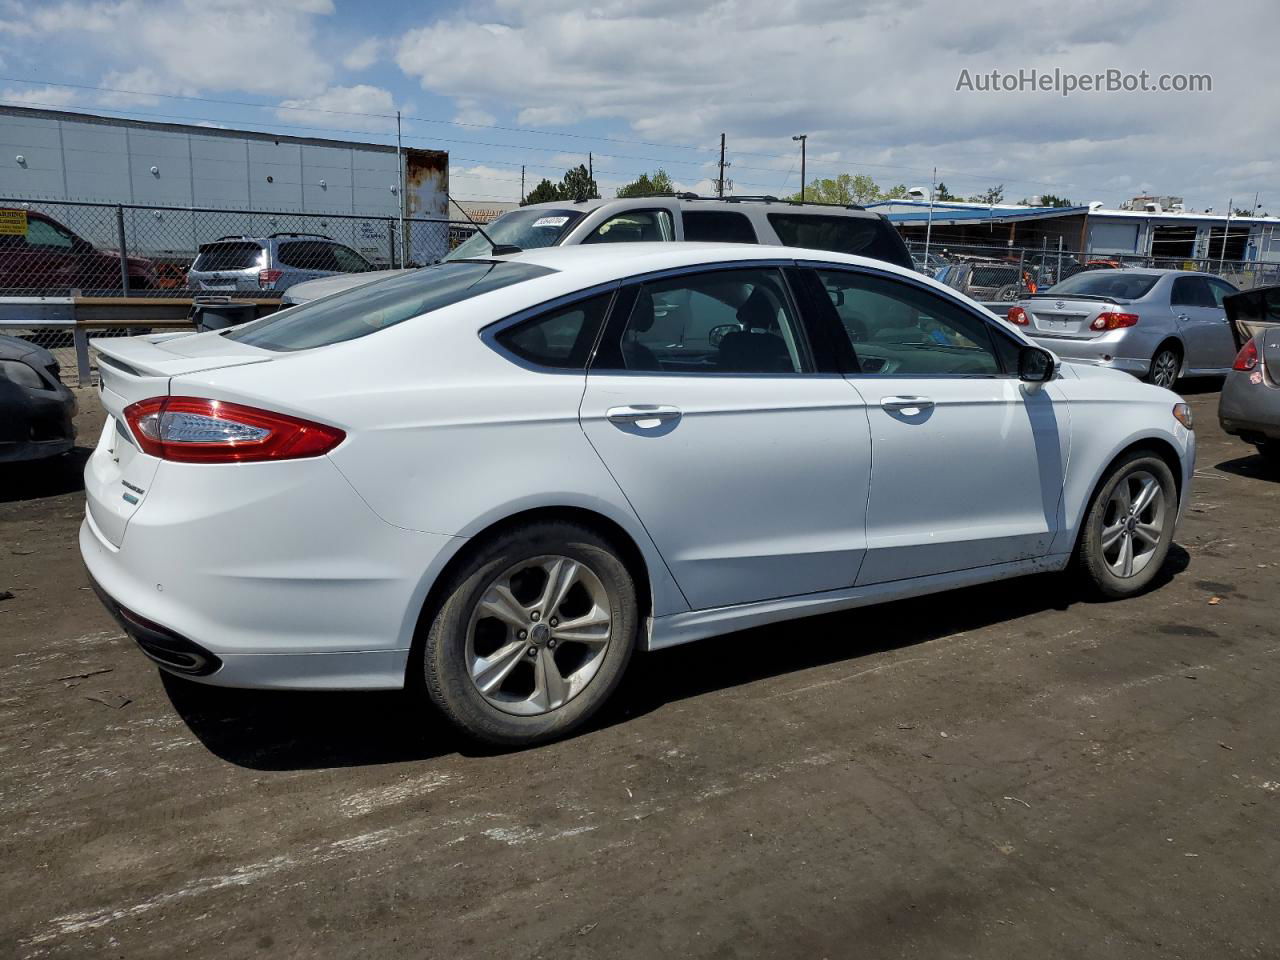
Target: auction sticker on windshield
(551, 221)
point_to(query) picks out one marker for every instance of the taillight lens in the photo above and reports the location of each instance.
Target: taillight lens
(1247, 358)
(1113, 321)
(196, 430)
(1018, 317)
(268, 278)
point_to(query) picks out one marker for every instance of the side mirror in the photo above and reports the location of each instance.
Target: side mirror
(1036, 365)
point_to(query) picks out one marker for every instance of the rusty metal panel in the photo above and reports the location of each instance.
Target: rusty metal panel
(426, 181)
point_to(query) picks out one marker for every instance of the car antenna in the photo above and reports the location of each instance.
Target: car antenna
(499, 249)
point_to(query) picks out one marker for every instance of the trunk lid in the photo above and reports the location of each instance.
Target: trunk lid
(1252, 311)
(1067, 316)
(1271, 353)
(118, 474)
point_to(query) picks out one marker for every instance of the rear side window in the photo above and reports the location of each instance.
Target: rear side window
(307, 255)
(719, 226)
(562, 338)
(364, 310)
(863, 236)
(238, 255)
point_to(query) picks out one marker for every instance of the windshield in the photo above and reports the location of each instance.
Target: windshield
(376, 306)
(1106, 283)
(526, 229)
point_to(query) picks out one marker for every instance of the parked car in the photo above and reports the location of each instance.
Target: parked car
(49, 257)
(273, 263)
(768, 220)
(991, 280)
(36, 410)
(929, 264)
(1159, 325)
(500, 477)
(1250, 404)
(310, 290)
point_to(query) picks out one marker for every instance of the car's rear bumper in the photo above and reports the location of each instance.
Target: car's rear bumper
(1250, 410)
(277, 573)
(36, 423)
(1108, 350)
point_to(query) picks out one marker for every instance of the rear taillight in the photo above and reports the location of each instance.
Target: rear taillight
(1247, 358)
(1018, 317)
(196, 430)
(268, 278)
(1113, 321)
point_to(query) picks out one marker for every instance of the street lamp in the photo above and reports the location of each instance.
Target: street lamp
(803, 138)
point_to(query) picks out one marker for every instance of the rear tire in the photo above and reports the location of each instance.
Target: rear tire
(1165, 367)
(1129, 527)
(534, 635)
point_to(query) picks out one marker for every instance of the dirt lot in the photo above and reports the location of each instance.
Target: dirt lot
(996, 772)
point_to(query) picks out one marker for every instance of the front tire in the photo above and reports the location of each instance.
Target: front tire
(1129, 527)
(534, 635)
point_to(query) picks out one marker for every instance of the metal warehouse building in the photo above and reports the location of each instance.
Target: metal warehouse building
(167, 171)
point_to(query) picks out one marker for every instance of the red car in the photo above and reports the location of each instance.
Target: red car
(49, 257)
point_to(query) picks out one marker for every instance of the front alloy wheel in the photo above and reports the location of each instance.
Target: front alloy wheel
(1128, 528)
(533, 635)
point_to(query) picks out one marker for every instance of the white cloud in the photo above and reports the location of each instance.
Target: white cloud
(873, 83)
(363, 55)
(470, 112)
(362, 107)
(39, 96)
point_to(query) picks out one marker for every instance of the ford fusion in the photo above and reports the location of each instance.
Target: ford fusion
(495, 479)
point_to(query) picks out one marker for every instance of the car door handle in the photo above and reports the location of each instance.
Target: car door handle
(906, 403)
(645, 415)
(1183, 316)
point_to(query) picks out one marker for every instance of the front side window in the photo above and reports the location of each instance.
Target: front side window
(718, 226)
(42, 233)
(562, 338)
(368, 309)
(634, 226)
(899, 329)
(1220, 289)
(722, 321)
(527, 229)
(349, 261)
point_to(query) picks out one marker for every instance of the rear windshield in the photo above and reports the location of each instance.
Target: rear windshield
(368, 309)
(238, 255)
(526, 229)
(864, 236)
(1120, 284)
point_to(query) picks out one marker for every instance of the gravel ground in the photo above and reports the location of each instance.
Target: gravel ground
(994, 772)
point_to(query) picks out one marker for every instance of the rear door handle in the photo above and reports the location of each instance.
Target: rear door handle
(645, 415)
(906, 403)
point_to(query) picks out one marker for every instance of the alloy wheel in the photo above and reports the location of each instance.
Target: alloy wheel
(1164, 369)
(1133, 524)
(538, 634)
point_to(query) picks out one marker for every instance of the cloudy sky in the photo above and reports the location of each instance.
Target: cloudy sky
(649, 83)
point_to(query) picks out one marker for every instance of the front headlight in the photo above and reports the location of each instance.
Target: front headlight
(21, 374)
(1182, 413)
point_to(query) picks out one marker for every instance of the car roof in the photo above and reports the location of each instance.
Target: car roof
(584, 265)
(689, 201)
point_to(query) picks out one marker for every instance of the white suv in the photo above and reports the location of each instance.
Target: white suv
(767, 220)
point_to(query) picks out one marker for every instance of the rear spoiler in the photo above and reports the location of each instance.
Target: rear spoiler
(1078, 296)
(1252, 311)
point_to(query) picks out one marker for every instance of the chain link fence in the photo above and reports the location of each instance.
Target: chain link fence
(1002, 273)
(57, 248)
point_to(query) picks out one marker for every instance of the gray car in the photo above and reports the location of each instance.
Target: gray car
(1250, 404)
(273, 263)
(36, 410)
(1159, 325)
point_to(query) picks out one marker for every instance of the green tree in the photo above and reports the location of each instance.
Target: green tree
(1052, 200)
(991, 195)
(578, 184)
(897, 190)
(646, 186)
(544, 192)
(942, 193)
(846, 188)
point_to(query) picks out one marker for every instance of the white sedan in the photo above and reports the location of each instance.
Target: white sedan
(497, 478)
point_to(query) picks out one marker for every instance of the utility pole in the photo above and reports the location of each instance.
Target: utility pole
(804, 141)
(1225, 231)
(404, 248)
(522, 184)
(720, 182)
(591, 170)
(928, 230)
